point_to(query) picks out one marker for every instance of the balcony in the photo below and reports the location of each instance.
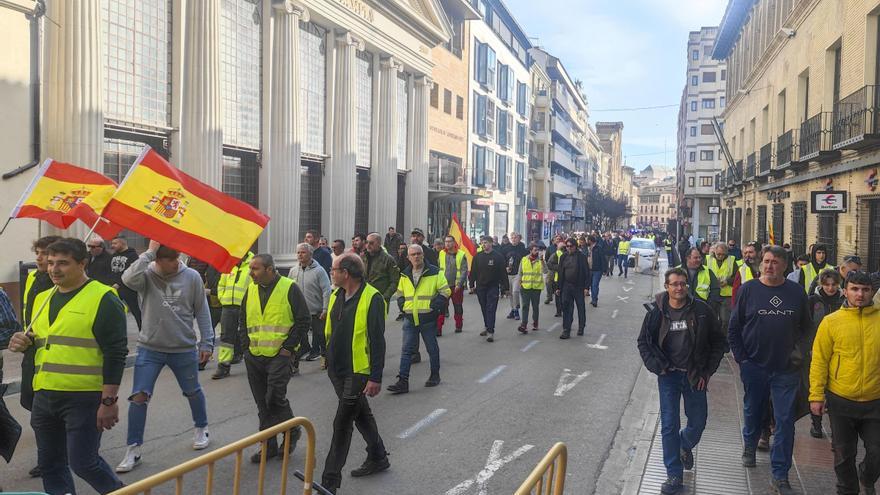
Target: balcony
(563, 158)
(854, 119)
(535, 163)
(786, 149)
(564, 186)
(738, 173)
(815, 142)
(750, 167)
(765, 160)
(542, 100)
(565, 130)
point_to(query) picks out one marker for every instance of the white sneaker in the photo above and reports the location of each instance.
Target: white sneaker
(132, 458)
(201, 438)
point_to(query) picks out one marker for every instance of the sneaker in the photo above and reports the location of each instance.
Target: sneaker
(221, 373)
(510, 315)
(557, 315)
(433, 381)
(522, 329)
(782, 487)
(581, 332)
(202, 366)
(371, 467)
(748, 457)
(270, 453)
(593, 304)
(313, 356)
(516, 314)
(672, 485)
(764, 442)
(566, 334)
(687, 458)
(201, 438)
(236, 359)
(484, 333)
(132, 458)
(490, 338)
(401, 387)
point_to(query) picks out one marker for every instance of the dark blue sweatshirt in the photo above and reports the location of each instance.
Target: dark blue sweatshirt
(768, 323)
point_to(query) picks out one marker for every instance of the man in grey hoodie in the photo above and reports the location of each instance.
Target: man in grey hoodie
(315, 286)
(172, 298)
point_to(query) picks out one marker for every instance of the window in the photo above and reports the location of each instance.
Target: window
(693, 106)
(708, 77)
(695, 55)
(706, 180)
(693, 131)
(520, 178)
(695, 80)
(312, 87)
(521, 98)
(762, 224)
(690, 182)
(459, 108)
(490, 168)
(502, 173)
(509, 129)
(708, 102)
(692, 156)
(480, 114)
(799, 228)
(490, 118)
(484, 61)
(706, 130)
(310, 192)
(240, 176)
(827, 234)
(508, 170)
(435, 95)
(723, 74)
(491, 68)
(722, 102)
(502, 128)
(521, 138)
(778, 222)
(503, 77)
(447, 101)
(364, 87)
(362, 200)
(456, 41)
(707, 51)
(240, 73)
(479, 176)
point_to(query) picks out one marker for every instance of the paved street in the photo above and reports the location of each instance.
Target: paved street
(518, 395)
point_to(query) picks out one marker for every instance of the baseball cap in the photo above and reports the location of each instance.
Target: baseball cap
(417, 231)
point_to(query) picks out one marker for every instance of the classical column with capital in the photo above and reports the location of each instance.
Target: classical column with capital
(201, 135)
(383, 177)
(285, 142)
(339, 184)
(416, 214)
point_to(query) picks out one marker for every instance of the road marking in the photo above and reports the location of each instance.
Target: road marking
(530, 345)
(624, 299)
(554, 326)
(598, 344)
(627, 289)
(493, 463)
(614, 314)
(630, 282)
(568, 380)
(492, 374)
(422, 423)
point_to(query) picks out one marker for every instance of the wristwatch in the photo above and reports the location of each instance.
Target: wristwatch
(109, 401)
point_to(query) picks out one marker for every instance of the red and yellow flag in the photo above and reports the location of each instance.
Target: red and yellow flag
(771, 236)
(159, 201)
(61, 193)
(462, 239)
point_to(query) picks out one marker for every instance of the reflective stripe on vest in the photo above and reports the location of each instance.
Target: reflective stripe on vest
(725, 270)
(417, 300)
(459, 258)
(269, 327)
(232, 285)
(68, 358)
(810, 274)
(531, 273)
(360, 343)
(623, 247)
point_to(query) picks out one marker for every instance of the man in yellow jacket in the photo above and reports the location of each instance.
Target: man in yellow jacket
(230, 290)
(845, 381)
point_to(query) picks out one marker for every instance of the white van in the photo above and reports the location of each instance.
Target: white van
(646, 250)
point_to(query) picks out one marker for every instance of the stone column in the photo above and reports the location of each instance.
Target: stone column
(416, 214)
(283, 160)
(340, 175)
(73, 89)
(383, 177)
(201, 135)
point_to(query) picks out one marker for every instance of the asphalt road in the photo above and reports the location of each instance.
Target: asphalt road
(498, 410)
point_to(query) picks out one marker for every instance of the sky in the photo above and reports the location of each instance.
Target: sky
(629, 54)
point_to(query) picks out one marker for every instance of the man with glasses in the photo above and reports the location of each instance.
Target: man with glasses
(99, 262)
(574, 274)
(682, 343)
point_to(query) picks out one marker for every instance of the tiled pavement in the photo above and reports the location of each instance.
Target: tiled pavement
(718, 469)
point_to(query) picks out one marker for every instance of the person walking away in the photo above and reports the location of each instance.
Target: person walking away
(844, 382)
(768, 330)
(514, 255)
(230, 291)
(321, 254)
(610, 247)
(623, 257)
(123, 256)
(393, 240)
(417, 236)
(489, 276)
(81, 327)
(596, 261)
(724, 268)
(749, 269)
(531, 267)
(275, 318)
(314, 283)
(818, 262)
(355, 334)
(701, 281)
(573, 276)
(99, 261)
(422, 293)
(682, 343)
(173, 301)
(826, 299)
(454, 265)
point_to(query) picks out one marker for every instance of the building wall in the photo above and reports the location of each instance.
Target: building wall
(446, 132)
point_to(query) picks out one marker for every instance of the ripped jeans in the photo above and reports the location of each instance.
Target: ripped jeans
(185, 366)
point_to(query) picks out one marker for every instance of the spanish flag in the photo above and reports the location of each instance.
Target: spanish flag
(462, 239)
(61, 193)
(770, 235)
(159, 201)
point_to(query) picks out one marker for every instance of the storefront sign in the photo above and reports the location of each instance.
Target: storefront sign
(538, 216)
(827, 201)
(484, 202)
(778, 195)
(714, 210)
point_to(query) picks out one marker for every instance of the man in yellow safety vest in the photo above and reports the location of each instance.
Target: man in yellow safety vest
(454, 265)
(230, 291)
(749, 269)
(531, 268)
(724, 268)
(623, 257)
(701, 281)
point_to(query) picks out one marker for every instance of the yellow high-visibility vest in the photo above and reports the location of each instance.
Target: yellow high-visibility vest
(68, 358)
(459, 263)
(810, 274)
(232, 285)
(745, 273)
(269, 327)
(558, 255)
(623, 247)
(704, 281)
(531, 273)
(360, 343)
(417, 299)
(28, 284)
(725, 270)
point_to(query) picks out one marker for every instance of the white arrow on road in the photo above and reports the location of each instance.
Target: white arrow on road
(623, 299)
(598, 344)
(627, 289)
(568, 381)
(493, 464)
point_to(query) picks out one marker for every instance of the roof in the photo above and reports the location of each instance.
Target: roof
(735, 17)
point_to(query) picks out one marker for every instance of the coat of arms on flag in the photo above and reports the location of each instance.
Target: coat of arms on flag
(170, 204)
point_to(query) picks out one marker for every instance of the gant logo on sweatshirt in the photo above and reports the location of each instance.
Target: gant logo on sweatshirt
(775, 301)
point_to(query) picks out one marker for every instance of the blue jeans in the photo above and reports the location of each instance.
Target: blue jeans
(781, 387)
(488, 297)
(411, 332)
(64, 426)
(185, 366)
(622, 265)
(674, 386)
(594, 286)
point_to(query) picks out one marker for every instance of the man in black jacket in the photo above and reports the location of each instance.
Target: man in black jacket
(514, 254)
(596, 258)
(98, 267)
(574, 272)
(682, 343)
(489, 275)
(122, 257)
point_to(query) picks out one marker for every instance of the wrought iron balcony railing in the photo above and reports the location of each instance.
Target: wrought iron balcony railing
(786, 149)
(815, 136)
(854, 118)
(765, 159)
(750, 167)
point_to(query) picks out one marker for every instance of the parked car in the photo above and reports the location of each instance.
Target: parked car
(646, 250)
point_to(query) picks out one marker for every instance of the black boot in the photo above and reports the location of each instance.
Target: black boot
(401, 387)
(222, 372)
(433, 381)
(566, 334)
(371, 467)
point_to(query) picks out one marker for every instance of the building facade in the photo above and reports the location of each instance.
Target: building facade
(699, 158)
(609, 179)
(801, 125)
(657, 204)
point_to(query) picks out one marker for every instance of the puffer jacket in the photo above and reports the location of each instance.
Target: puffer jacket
(846, 355)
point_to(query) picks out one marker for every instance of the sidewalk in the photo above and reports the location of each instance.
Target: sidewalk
(717, 465)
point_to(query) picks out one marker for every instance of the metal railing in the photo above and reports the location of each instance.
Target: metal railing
(176, 473)
(548, 477)
(854, 116)
(738, 172)
(786, 148)
(750, 166)
(815, 135)
(765, 159)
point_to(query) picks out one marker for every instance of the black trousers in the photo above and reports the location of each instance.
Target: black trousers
(845, 433)
(573, 296)
(130, 298)
(318, 345)
(229, 337)
(268, 378)
(352, 410)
